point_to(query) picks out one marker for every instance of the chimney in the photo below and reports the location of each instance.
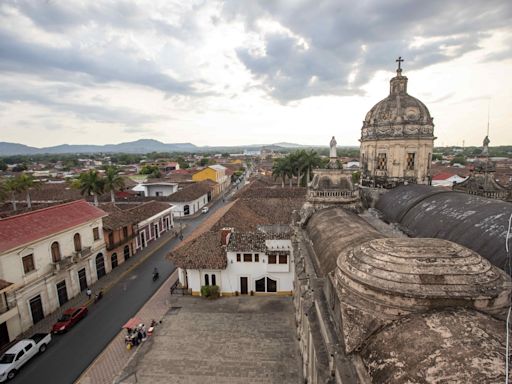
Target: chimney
(225, 234)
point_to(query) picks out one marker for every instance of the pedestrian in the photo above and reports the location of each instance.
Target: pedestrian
(139, 336)
(143, 330)
(88, 292)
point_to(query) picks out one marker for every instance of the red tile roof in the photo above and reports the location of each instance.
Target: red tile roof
(443, 176)
(26, 228)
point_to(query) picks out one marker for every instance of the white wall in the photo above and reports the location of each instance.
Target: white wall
(228, 279)
(42, 281)
(163, 190)
(194, 205)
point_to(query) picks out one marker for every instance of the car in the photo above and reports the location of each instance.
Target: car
(205, 210)
(69, 318)
(21, 352)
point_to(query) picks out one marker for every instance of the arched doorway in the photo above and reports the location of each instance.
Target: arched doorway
(56, 252)
(78, 242)
(126, 252)
(186, 210)
(113, 260)
(100, 265)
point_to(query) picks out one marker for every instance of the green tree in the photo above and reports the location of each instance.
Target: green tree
(113, 182)
(150, 170)
(12, 187)
(90, 183)
(458, 159)
(278, 170)
(25, 184)
(310, 160)
(3, 166)
(204, 161)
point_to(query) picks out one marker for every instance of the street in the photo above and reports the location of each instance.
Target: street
(70, 354)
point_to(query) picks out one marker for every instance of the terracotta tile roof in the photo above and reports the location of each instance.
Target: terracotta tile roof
(247, 214)
(252, 241)
(190, 193)
(117, 218)
(16, 231)
(443, 176)
(204, 252)
(145, 211)
(52, 192)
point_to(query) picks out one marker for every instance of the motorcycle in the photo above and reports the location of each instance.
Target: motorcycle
(156, 275)
(98, 297)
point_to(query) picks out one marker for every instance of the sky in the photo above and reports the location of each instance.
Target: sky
(240, 72)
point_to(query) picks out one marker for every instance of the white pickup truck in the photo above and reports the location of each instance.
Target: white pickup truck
(21, 352)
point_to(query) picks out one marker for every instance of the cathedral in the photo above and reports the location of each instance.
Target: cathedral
(397, 139)
(416, 290)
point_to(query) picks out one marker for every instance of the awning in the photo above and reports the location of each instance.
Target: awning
(132, 323)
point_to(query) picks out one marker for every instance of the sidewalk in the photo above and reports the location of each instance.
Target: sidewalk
(105, 283)
(115, 356)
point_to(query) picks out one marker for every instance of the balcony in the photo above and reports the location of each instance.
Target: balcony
(84, 252)
(124, 241)
(62, 264)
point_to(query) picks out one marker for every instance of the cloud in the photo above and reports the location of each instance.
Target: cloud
(335, 47)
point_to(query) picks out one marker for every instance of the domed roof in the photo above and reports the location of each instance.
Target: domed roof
(398, 115)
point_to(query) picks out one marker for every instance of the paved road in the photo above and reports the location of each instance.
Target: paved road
(70, 354)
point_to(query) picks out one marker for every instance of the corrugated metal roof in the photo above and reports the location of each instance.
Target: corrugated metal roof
(478, 223)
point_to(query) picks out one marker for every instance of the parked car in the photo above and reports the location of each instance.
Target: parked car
(21, 352)
(69, 318)
(205, 210)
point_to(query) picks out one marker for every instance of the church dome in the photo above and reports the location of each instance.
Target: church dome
(398, 115)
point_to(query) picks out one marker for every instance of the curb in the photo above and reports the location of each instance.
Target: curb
(85, 372)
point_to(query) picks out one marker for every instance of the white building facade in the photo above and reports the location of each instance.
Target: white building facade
(63, 254)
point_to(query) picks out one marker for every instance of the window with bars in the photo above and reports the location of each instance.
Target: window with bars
(283, 259)
(382, 161)
(28, 263)
(247, 257)
(96, 233)
(272, 259)
(410, 161)
(256, 257)
(238, 257)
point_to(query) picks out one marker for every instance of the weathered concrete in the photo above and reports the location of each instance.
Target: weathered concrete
(230, 340)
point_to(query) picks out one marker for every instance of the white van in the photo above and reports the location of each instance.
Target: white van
(205, 210)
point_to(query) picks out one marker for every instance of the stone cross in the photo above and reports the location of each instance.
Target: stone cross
(399, 61)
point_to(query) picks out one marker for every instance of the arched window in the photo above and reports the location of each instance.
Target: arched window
(186, 210)
(113, 259)
(78, 242)
(126, 252)
(214, 279)
(55, 252)
(206, 279)
(100, 265)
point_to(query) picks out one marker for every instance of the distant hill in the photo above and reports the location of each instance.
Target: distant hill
(140, 147)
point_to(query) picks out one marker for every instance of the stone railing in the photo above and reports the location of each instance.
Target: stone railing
(333, 194)
(84, 252)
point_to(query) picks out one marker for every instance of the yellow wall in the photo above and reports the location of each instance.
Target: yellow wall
(205, 174)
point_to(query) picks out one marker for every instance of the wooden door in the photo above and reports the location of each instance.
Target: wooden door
(243, 285)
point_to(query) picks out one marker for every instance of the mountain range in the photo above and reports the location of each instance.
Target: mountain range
(139, 146)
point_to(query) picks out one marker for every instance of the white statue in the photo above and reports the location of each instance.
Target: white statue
(332, 153)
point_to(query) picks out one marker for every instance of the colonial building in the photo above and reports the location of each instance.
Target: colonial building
(481, 180)
(216, 173)
(397, 139)
(48, 256)
(152, 219)
(255, 263)
(192, 198)
(120, 231)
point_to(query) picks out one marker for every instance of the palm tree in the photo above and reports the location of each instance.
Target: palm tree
(113, 182)
(278, 170)
(4, 193)
(12, 187)
(296, 159)
(310, 160)
(90, 183)
(289, 167)
(25, 184)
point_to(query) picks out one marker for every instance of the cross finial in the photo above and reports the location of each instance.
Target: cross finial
(399, 61)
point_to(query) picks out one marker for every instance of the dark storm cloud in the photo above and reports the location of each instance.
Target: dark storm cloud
(336, 31)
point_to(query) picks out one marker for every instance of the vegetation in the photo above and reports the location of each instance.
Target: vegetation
(299, 163)
(25, 183)
(90, 183)
(150, 170)
(210, 291)
(113, 182)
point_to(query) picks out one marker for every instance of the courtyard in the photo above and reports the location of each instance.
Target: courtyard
(229, 340)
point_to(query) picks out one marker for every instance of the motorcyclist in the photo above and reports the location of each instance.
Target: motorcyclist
(155, 273)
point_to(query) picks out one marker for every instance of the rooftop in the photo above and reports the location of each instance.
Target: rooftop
(16, 231)
(205, 251)
(191, 192)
